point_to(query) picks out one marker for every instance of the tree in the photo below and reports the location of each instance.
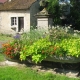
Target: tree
(75, 14)
(54, 9)
(73, 17)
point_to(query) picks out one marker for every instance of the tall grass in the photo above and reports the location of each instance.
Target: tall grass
(32, 36)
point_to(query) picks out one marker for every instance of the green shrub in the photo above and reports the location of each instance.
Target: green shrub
(39, 46)
(36, 50)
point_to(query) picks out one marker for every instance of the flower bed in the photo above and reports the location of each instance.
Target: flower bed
(43, 48)
(57, 48)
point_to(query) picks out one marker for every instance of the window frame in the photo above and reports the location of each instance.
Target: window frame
(13, 21)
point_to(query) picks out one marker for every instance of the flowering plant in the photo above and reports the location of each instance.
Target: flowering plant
(60, 42)
(39, 48)
(11, 49)
(18, 46)
(36, 50)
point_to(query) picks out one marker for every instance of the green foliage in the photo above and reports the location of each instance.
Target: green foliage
(30, 37)
(58, 41)
(75, 13)
(54, 9)
(35, 50)
(65, 41)
(72, 18)
(43, 48)
(69, 47)
(5, 37)
(59, 33)
(53, 5)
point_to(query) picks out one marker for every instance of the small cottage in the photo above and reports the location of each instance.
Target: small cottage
(18, 15)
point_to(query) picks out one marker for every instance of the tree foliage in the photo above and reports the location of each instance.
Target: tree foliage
(54, 9)
(73, 18)
(75, 14)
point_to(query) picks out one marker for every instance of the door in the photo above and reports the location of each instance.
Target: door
(20, 24)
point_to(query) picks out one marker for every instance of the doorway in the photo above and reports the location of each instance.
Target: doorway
(20, 24)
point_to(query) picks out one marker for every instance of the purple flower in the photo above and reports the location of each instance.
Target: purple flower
(17, 36)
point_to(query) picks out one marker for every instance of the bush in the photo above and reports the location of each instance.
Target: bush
(40, 46)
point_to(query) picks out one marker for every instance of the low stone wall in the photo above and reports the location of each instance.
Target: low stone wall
(63, 59)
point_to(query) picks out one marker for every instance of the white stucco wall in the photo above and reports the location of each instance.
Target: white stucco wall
(29, 19)
(42, 23)
(5, 21)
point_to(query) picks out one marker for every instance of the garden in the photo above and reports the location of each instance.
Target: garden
(60, 43)
(24, 47)
(18, 73)
(37, 46)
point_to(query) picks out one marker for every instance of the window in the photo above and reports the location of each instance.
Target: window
(13, 21)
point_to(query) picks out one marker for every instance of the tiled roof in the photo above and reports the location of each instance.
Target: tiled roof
(17, 4)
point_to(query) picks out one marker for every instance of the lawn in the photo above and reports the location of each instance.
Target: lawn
(26, 73)
(21, 73)
(5, 37)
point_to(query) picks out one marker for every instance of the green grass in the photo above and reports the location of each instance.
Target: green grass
(20, 73)
(25, 73)
(5, 37)
(2, 58)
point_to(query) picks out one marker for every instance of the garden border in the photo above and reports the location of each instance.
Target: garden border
(63, 59)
